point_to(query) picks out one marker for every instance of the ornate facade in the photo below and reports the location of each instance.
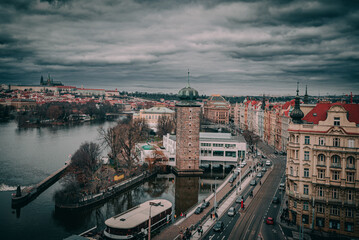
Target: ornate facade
(322, 169)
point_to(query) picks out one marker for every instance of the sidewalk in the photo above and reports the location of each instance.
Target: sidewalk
(207, 225)
(229, 201)
(174, 231)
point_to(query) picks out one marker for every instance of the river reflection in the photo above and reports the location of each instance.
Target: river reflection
(183, 192)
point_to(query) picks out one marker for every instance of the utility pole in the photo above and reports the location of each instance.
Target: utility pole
(149, 219)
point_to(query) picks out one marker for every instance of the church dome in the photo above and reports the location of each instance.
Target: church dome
(188, 93)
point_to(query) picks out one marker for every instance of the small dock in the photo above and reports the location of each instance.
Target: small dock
(25, 196)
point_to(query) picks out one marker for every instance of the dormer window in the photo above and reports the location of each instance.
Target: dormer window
(337, 121)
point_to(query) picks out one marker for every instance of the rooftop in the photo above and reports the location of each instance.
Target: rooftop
(134, 216)
(319, 112)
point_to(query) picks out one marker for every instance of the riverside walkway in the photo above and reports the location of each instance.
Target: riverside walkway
(191, 220)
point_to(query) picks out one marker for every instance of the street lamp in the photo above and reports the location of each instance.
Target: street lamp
(149, 219)
(215, 196)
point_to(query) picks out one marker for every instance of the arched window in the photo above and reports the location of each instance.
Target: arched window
(291, 171)
(321, 159)
(350, 162)
(335, 161)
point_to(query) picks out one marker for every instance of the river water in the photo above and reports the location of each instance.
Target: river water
(27, 156)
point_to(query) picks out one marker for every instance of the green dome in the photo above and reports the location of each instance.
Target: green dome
(188, 94)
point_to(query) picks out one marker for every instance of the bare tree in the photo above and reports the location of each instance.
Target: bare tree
(122, 140)
(85, 161)
(250, 138)
(165, 125)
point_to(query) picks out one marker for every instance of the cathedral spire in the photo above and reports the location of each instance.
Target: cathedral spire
(306, 99)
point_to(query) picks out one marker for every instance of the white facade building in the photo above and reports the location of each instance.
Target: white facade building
(215, 148)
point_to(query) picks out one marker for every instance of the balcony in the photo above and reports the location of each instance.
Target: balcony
(350, 167)
(321, 165)
(335, 165)
(332, 148)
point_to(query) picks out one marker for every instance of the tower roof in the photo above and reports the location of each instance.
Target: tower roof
(297, 114)
(187, 93)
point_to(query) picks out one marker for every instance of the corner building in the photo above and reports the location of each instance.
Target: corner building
(322, 169)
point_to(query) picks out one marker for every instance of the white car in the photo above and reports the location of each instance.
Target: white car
(268, 163)
(243, 164)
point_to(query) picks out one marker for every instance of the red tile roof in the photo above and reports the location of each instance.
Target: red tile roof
(319, 112)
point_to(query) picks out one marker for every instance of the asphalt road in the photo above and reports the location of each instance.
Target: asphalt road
(250, 223)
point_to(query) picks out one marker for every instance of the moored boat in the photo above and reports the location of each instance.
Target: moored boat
(134, 223)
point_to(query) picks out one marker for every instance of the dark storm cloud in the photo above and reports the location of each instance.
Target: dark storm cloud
(231, 47)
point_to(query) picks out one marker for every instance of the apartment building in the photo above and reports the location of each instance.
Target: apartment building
(322, 169)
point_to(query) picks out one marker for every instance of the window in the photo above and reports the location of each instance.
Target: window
(295, 204)
(349, 212)
(296, 154)
(306, 172)
(230, 145)
(320, 208)
(334, 210)
(305, 206)
(321, 173)
(305, 219)
(320, 192)
(291, 171)
(335, 194)
(335, 175)
(337, 121)
(350, 162)
(230, 154)
(295, 187)
(321, 141)
(321, 159)
(320, 222)
(306, 139)
(205, 144)
(296, 139)
(305, 189)
(349, 226)
(350, 177)
(217, 145)
(335, 161)
(306, 155)
(351, 143)
(218, 153)
(350, 195)
(334, 224)
(336, 142)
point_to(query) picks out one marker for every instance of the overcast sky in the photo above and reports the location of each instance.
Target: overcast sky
(230, 47)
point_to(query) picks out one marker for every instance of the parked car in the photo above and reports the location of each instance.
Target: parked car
(198, 210)
(270, 221)
(268, 163)
(283, 153)
(275, 200)
(232, 179)
(253, 182)
(235, 174)
(243, 164)
(263, 156)
(259, 175)
(275, 152)
(239, 199)
(264, 169)
(281, 186)
(218, 227)
(205, 205)
(231, 211)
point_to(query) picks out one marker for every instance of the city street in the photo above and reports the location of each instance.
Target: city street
(250, 222)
